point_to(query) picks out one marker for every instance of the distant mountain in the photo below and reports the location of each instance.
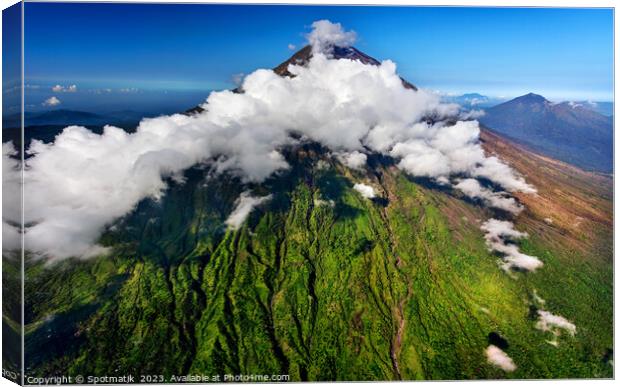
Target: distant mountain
(566, 131)
(474, 100)
(73, 117)
(45, 126)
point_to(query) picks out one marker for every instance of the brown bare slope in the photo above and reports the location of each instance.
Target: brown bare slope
(572, 206)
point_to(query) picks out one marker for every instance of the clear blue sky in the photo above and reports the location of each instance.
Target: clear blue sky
(559, 53)
(11, 59)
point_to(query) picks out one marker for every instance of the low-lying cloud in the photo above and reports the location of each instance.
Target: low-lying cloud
(83, 181)
(550, 322)
(244, 206)
(471, 114)
(500, 237)
(473, 189)
(499, 358)
(354, 160)
(365, 190)
(11, 198)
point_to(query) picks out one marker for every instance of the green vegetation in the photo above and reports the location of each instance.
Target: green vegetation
(11, 316)
(398, 287)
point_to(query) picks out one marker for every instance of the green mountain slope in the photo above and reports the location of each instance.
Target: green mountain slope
(398, 287)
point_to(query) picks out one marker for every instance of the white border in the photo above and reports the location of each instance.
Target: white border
(471, 3)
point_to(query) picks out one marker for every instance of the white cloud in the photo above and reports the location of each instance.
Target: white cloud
(495, 170)
(51, 101)
(326, 35)
(365, 190)
(421, 159)
(291, 46)
(244, 133)
(471, 114)
(502, 229)
(63, 89)
(501, 200)
(11, 197)
(353, 160)
(499, 358)
(245, 205)
(499, 237)
(549, 322)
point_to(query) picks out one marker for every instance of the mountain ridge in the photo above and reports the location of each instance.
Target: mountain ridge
(74, 117)
(570, 133)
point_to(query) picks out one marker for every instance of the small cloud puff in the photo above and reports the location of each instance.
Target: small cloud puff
(549, 322)
(245, 205)
(499, 358)
(471, 114)
(353, 160)
(51, 101)
(365, 190)
(128, 90)
(63, 89)
(326, 35)
(291, 46)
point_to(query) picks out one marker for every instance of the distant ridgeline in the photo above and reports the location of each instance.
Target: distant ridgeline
(46, 125)
(568, 131)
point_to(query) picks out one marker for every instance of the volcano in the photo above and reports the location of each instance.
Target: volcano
(322, 283)
(567, 131)
(304, 55)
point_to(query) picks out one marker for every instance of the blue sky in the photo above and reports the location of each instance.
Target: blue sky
(141, 52)
(11, 58)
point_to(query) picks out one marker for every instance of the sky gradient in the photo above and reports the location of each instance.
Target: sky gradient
(145, 52)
